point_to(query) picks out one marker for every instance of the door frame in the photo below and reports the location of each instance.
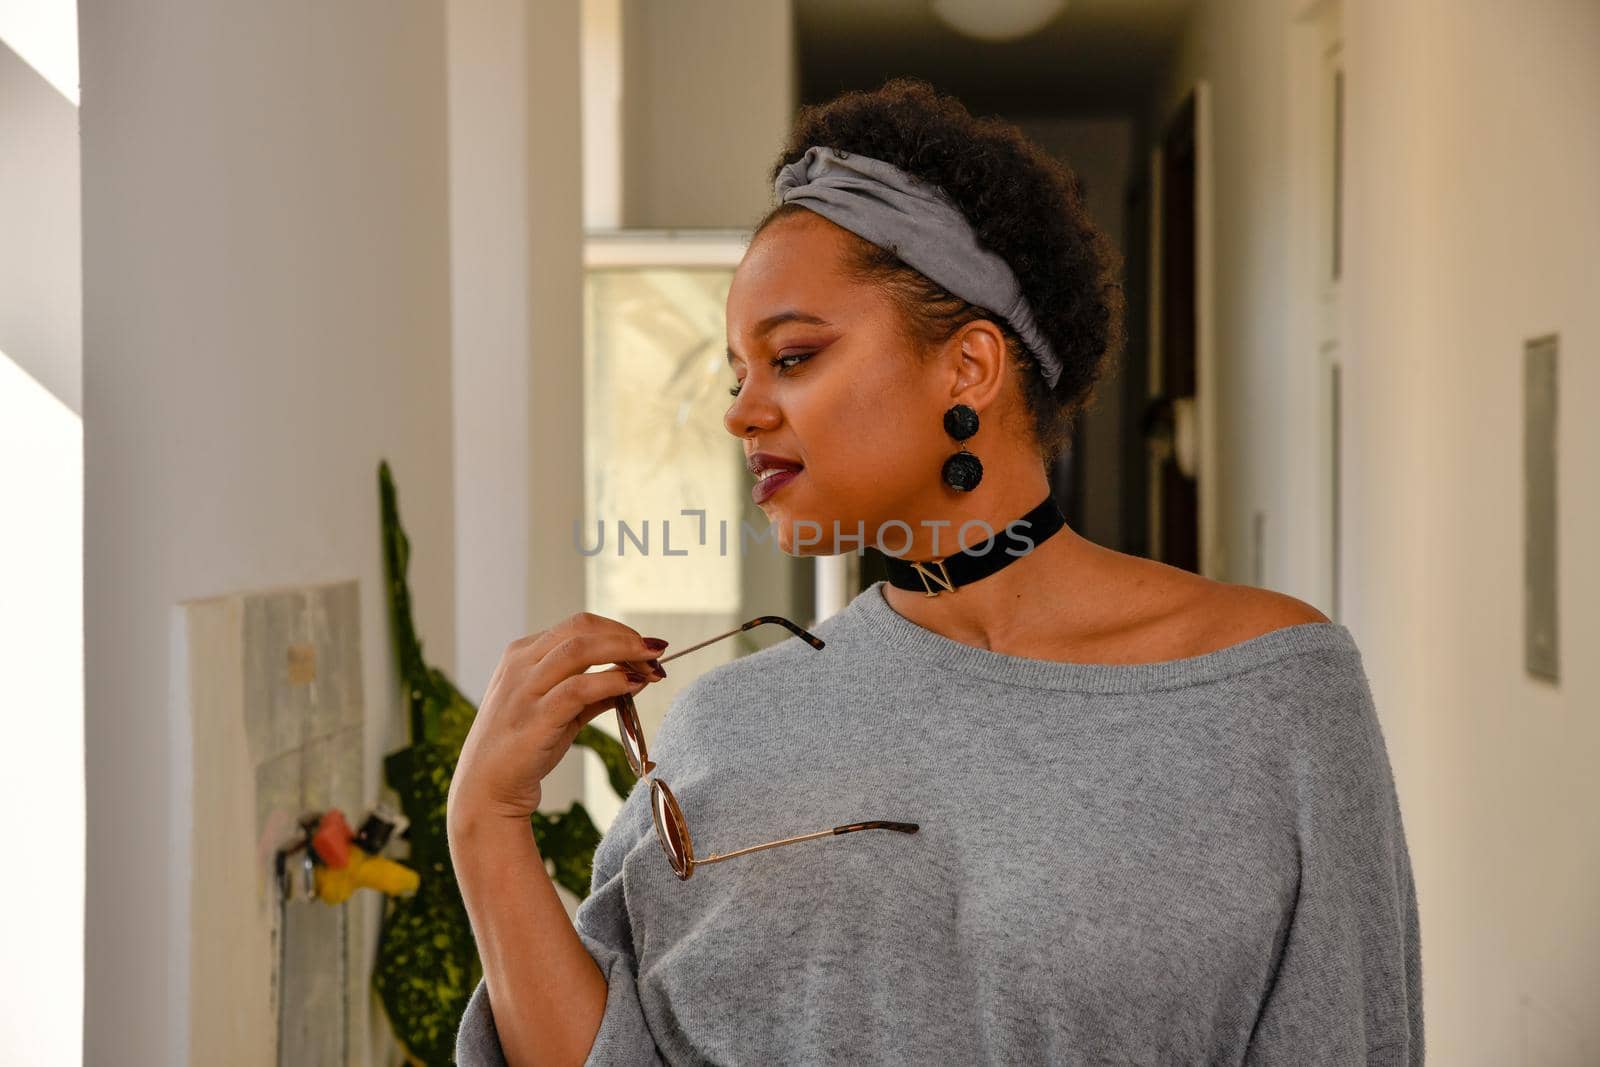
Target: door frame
(1212, 549)
(1318, 356)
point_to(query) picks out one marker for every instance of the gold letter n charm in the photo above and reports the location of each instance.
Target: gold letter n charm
(943, 577)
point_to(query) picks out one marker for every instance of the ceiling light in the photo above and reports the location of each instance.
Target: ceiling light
(996, 20)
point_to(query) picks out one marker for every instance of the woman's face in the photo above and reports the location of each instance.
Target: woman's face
(827, 380)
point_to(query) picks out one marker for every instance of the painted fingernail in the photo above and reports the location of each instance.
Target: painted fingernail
(634, 676)
(655, 644)
(656, 666)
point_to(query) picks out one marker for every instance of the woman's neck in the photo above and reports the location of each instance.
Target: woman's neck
(1006, 610)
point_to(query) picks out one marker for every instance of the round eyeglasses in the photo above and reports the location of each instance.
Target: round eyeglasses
(672, 830)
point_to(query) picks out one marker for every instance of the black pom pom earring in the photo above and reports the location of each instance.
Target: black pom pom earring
(962, 471)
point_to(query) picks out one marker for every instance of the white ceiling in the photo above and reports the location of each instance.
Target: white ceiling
(1096, 56)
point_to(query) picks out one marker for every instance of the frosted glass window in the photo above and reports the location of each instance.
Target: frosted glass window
(656, 385)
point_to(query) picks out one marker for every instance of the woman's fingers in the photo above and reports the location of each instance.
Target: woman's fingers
(540, 645)
(575, 694)
(589, 712)
(543, 691)
(575, 653)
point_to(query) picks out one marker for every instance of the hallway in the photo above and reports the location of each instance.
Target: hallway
(489, 243)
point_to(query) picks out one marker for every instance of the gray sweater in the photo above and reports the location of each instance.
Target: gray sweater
(1196, 861)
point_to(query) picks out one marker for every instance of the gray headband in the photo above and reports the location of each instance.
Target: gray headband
(919, 223)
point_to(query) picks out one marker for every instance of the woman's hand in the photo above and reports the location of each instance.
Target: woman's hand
(541, 695)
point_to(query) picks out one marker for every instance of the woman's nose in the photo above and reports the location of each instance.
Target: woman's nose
(749, 411)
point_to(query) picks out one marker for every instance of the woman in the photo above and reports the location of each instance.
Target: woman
(1154, 815)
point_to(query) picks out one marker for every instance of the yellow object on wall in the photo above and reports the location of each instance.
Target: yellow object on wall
(335, 884)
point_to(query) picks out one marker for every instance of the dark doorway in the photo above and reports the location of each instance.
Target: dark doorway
(1176, 534)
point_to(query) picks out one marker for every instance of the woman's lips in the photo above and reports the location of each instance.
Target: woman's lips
(764, 489)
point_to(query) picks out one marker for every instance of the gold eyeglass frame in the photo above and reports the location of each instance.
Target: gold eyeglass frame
(664, 805)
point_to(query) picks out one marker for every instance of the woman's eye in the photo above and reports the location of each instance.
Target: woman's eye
(780, 363)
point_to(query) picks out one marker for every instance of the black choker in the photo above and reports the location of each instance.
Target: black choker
(982, 559)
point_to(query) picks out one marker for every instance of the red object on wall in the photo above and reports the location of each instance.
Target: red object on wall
(332, 839)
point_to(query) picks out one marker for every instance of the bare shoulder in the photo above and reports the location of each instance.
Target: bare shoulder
(1156, 611)
(1207, 615)
(1242, 612)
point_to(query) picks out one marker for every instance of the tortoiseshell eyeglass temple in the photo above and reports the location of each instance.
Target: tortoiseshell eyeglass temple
(672, 830)
(805, 635)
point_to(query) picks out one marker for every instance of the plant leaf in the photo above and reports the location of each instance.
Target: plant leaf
(568, 839)
(427, 964)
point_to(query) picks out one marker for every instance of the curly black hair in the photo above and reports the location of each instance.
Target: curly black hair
(1025, 206)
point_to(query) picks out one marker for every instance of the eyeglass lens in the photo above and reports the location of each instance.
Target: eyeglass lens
(671, 830)
(632, 734)
(668, 825)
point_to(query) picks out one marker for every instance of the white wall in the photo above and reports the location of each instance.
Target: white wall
(489, 326)
(266, 316)
(41, 279)
(1473, 214)
(516, 278)
(41, 649)
(602, 113)
(1473, 150)
(41, 539)
(708, 96)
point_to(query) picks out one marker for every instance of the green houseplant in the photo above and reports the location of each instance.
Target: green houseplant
(427, 962)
